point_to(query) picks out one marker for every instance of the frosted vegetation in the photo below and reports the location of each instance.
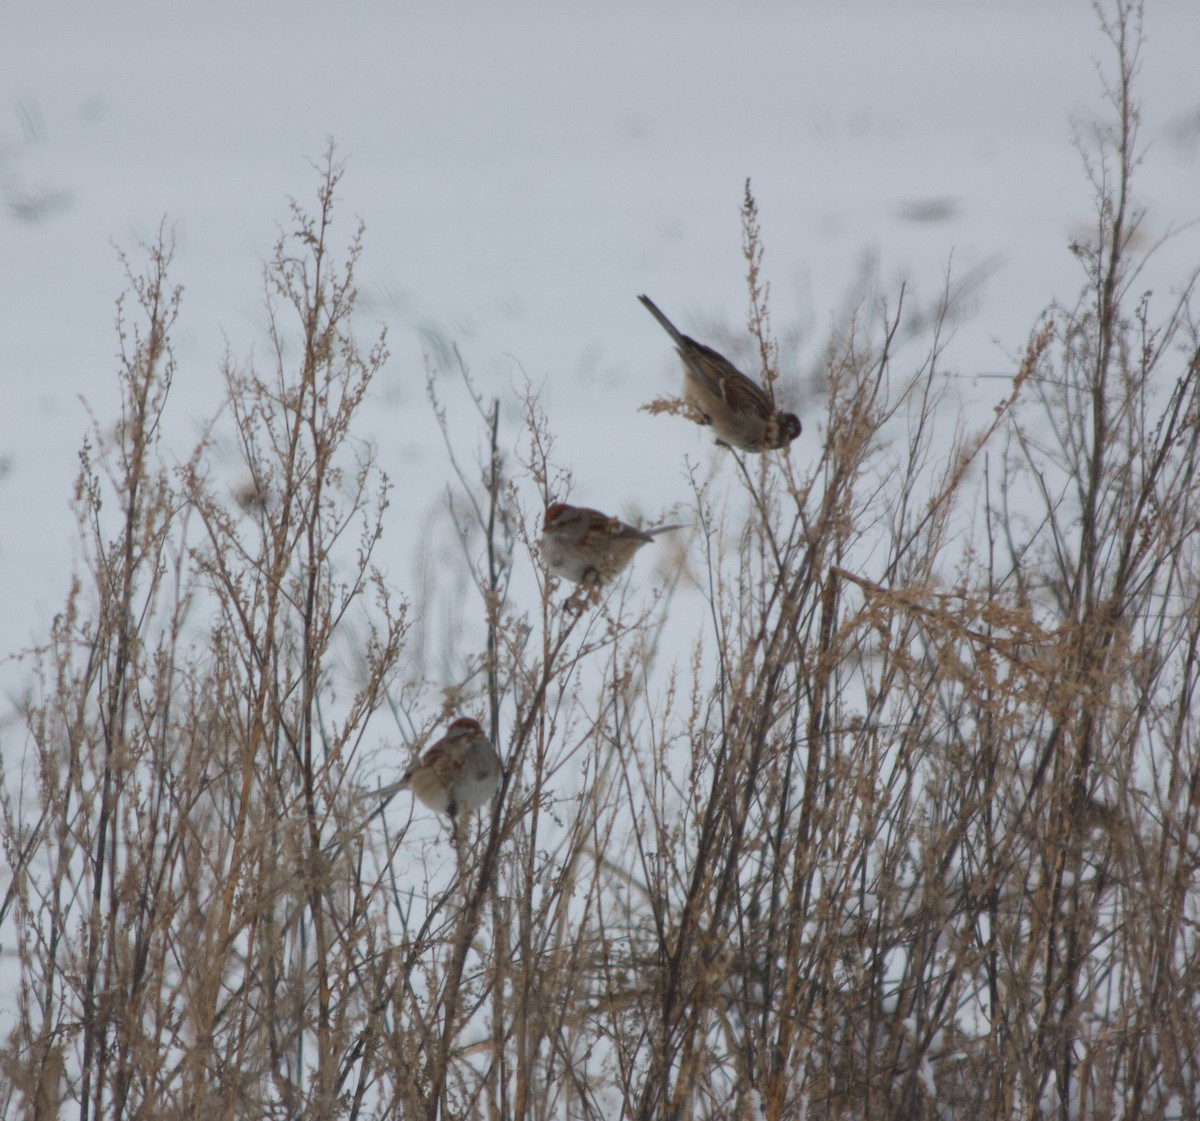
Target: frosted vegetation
(878, 798)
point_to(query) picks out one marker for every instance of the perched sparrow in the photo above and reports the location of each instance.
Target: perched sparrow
(741, 413)
(581, 544)
(459, 772)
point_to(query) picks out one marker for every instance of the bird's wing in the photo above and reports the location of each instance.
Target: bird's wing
(743, 395)
(618, 528)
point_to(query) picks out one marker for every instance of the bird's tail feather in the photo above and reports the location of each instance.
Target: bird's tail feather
(667, 325)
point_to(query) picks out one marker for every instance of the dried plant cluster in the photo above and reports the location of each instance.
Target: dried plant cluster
(910, 828)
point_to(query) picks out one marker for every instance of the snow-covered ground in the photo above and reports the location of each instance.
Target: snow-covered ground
(523, 172)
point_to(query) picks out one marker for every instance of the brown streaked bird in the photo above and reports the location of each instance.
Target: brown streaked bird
(581, 544)
(739, 410)
(458, 773)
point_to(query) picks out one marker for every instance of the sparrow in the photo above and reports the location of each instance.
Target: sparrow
(580, 544)
(740, 411)
(458, 773)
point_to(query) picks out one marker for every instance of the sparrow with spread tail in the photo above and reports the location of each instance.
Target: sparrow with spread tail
(458, 773)
(580, 544)
(740, 411)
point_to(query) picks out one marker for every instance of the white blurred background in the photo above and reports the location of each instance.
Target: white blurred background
(523, 171)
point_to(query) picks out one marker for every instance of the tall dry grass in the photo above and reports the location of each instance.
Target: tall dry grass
(907, 827)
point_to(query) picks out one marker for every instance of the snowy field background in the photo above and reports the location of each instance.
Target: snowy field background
(523, 172)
